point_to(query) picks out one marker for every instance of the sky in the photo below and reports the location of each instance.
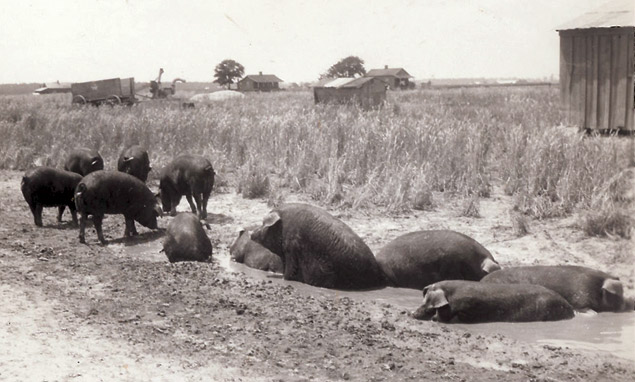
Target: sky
(74, 41)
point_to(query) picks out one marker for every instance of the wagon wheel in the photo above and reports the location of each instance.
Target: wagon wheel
(113, 100)
(79, 99)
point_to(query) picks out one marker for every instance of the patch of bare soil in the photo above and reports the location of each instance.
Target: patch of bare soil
(90, 312)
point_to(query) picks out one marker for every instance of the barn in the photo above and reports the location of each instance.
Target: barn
(597, 66)
(367, 92)
(395, 78)
(259, 83)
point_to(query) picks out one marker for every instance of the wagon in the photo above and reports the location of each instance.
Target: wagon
(114, 91)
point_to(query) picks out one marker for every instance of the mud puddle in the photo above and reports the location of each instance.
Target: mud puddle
(607, 332)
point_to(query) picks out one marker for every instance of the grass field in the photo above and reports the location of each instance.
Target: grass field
(458, 143)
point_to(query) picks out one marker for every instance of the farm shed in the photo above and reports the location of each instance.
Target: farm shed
(366, 91)
(395, 78)
(54, 87)
(259, 83)
(597, 65)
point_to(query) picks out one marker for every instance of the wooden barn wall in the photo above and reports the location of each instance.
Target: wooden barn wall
(596, 77)
(246, 84)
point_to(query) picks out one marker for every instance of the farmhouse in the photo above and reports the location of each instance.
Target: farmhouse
(368, 92)
(54, 87)
(395, 78)
(597, 67)
(259, 83)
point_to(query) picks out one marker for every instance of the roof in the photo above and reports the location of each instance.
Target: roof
(57, 85)
(54, 87)
(617, 13)
(343, 83)
(263, 78)
(394, 72)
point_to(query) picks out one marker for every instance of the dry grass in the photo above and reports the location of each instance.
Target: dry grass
(456, 142)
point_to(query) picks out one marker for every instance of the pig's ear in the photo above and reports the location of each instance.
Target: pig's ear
(613, 287)
(489, 265)
(271, 219)
(435, 298)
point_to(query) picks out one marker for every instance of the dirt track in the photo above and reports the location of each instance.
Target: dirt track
(88, 312)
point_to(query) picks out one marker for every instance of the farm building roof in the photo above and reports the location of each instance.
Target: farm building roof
(395, 72)
(54, 87)
(617, 13)
(340, 83)
(263, 78)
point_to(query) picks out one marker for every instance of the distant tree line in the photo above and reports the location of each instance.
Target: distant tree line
(16, 89)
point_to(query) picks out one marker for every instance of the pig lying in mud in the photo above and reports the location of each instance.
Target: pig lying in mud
(584, 288)
(318, 249)
(186, 240)
(455, 301)
(420, 258)
(252, 254)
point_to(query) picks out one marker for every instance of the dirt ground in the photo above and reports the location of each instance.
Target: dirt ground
(75, 312)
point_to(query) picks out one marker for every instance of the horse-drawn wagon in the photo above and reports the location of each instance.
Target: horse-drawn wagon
(114, 91)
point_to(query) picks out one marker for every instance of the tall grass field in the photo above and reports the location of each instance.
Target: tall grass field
(456, 142)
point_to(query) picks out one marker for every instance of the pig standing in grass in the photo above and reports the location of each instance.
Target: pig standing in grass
(84, 161)
(114, 192)
(134, 160)
(186, 239)
(49, 187)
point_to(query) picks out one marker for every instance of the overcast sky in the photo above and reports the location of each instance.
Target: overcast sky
(84, 40)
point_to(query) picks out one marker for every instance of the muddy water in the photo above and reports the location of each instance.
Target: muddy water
(605, 332)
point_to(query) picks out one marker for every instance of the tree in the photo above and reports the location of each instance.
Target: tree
(351, 66)
(227, 71)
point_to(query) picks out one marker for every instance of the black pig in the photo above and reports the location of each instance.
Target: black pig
(254, 255)
(186, 239)
(114, 192)
(134, 161)
(50, 187)
(189, 175)
(84, 161)
(473, 302)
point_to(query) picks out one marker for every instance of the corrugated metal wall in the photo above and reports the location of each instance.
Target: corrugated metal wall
(596, 77)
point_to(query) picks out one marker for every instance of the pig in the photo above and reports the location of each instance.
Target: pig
(318, 249)
(252, 254)
(455, 301)
(84, 161)
(418, 259)
(189, 175)
(584, 288)
(134, 161)
(186, 239)
(113, 192)
(50, 187)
